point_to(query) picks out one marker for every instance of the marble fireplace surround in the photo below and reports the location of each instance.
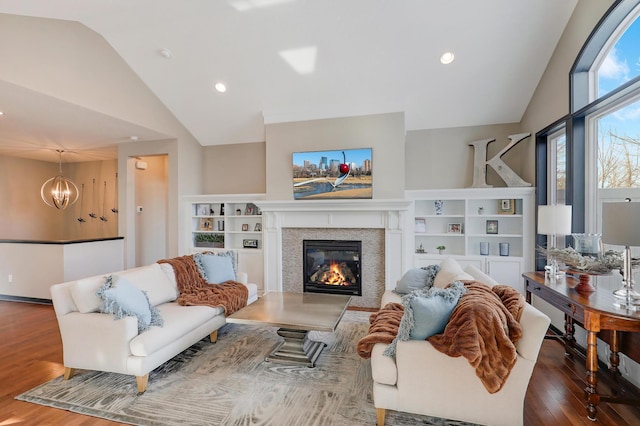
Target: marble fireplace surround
(380, 224)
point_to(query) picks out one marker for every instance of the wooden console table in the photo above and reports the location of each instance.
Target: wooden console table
(596, 313)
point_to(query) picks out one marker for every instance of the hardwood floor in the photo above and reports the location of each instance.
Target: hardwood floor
(31, 353)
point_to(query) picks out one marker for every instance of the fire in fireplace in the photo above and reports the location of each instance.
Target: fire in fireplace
(332, 266)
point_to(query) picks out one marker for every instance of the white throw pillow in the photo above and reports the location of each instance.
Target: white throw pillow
(83, 293)
(450, 271)
(153, 281)
(480, 276)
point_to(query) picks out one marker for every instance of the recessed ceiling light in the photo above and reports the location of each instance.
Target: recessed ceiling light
(1, 113)
(220, 87)
(447, 58)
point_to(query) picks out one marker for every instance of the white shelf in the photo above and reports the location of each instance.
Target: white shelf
(461, 206)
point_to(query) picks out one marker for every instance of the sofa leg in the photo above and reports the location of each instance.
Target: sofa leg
(380, 413)
(214, 336)
(69, 372)
(142, 382)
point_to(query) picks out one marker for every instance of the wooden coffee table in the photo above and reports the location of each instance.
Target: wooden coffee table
(296, 314)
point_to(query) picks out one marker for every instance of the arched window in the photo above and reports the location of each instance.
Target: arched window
(596, 148)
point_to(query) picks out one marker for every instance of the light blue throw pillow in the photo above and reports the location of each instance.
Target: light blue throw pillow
(121, 298)
(426, 313)
(216, 269)
(417, 278)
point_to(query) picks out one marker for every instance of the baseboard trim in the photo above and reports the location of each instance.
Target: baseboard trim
(9, 298)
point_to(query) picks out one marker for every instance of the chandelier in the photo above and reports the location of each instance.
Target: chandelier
(59, 192)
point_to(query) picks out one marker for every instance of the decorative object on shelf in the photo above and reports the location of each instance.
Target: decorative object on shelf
(104, 203)
(480, 210)
(484, 248)
(258, 227)
(245, 226)
(115, 196)
(250, 243)
(454, 228)
(441, 249)
(93, 214)
(206, 224)
(321, 175)
(588, 244)
(420, 249)
(504, 249)
(209, 240)
(250, 209)
(80, 218)
(507, 206)
(620, 227)
(203, 210)
(554, 220)
(59, 192)
(420, 225)
(439, 204)
(221, 225)
(492, 227)
(238, 212)
(222, 209)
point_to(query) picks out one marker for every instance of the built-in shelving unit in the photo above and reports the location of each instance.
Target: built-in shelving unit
(465, 218)
(227, 222)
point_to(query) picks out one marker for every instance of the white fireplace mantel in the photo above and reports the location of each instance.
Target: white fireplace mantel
(390, 215)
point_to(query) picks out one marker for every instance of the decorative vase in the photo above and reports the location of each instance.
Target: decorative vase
(504, 249)
(438, 204)
(480, 210)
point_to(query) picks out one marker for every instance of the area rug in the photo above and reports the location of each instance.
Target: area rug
(229, 383)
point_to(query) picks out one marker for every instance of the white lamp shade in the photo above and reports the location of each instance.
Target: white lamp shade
(621, 223)
(554, 220)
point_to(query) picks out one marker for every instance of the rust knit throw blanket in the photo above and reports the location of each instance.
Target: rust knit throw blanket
(383, 328)
(483, 328)
(194, 290)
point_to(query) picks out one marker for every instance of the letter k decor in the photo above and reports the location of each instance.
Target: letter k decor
(480, 163)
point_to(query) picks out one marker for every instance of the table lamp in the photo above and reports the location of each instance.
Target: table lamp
(553, 220)
(620, 226)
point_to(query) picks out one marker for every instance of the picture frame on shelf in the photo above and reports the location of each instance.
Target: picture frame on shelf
(203, 210)
(492, 227)
(454, 228)
(245, 226)
(420, 225)
(258, 227)
(250, 244)
(206, 224)
(250, 209)
(507, 206)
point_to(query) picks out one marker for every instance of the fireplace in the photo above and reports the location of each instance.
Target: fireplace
(332, 266)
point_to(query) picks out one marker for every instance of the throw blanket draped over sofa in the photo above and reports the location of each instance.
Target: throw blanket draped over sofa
(483, 328)
(194, 290)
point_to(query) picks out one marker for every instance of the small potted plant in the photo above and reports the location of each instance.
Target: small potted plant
(440, 249)
(209, 240)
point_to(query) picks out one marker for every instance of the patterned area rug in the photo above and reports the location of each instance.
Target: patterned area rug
(229, 383)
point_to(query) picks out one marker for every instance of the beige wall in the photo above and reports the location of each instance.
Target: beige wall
(151, 194)
(550, 101)
(384, 133)
(443, 159)
(27, 217)
(235, 169)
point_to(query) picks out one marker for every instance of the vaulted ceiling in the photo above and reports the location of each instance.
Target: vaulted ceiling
(291, 60)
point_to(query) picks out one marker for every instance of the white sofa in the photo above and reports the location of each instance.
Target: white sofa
(96, 341)
(422, 380)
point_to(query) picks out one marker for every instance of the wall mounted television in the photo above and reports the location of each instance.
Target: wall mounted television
(342, 173)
